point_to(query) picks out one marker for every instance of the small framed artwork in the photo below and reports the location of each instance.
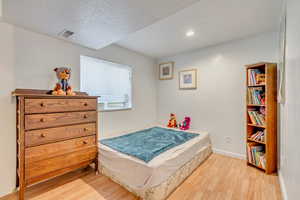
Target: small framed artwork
(166, 71)
(188, 79)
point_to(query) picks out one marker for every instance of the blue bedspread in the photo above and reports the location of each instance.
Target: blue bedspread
(148, 143)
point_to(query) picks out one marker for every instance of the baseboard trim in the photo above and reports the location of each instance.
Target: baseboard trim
(230, 154)
(282, 186)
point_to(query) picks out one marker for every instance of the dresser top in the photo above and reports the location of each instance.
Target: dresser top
(33, 93)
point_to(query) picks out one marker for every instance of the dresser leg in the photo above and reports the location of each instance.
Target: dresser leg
(96, 166)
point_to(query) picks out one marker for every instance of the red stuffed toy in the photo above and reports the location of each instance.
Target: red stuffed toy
(172, 122)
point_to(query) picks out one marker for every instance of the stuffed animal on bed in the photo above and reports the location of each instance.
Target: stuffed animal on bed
(63, 75)
(172, 122)
(185, 125)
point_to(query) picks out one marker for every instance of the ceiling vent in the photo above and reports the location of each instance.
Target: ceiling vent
(66, 33)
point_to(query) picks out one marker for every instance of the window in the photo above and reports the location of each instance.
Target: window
(109, 80)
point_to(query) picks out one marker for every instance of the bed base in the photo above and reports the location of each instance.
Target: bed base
(162, 191)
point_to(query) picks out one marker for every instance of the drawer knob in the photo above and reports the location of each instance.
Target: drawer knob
(85, 116)
(85, 129)
(84, 142)
(85, 104)
(42, 120)
(42, 104)
(43, 135)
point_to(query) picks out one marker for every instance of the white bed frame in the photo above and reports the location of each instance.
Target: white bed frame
(163, 190)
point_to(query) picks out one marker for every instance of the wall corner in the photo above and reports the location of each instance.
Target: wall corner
(282, 186)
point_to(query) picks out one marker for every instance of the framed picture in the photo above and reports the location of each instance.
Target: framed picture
(166, 71)
(188, 79)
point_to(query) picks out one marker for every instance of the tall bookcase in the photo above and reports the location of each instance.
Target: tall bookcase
(261, 115)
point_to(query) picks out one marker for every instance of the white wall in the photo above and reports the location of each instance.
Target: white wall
(1, 7)
(27, 60)
(290, 160)
(218, 105)
(7, 111)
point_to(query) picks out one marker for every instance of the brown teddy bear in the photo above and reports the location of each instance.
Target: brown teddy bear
(63, 75)
(58, 91)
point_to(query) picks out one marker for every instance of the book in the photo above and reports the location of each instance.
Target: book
(256, 96)
(261, 79)
(256, 117)
(258, 136)
(256, 77)
(263, 161)
(256, 154)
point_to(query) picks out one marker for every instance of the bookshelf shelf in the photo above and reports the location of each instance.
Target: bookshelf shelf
(256, 105)
(255, 125)
(258, 85)
(249, 139)
(254, 165)
(261, 108)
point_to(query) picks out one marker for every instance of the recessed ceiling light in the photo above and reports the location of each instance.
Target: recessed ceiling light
(190, 33)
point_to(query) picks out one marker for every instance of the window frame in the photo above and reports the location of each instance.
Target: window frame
(100, 108)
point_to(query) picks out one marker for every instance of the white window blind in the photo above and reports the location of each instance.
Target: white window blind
(109, 80)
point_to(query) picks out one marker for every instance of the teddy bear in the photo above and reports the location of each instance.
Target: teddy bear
(185, 125)
(172, 122)
(58, 90)
(70, 91)
(63, 75)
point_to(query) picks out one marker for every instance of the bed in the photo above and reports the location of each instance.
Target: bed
(157, 177)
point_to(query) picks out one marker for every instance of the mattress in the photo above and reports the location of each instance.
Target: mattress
(148, 143)
(141, 176)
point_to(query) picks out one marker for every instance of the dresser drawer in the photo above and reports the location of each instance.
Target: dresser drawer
(44, 136)
(36, 121)
(42, 152)
(48, 167)
(58, 105)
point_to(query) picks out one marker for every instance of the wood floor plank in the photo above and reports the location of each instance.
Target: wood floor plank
(218, 178)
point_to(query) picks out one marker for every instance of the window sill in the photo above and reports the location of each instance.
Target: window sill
(114, 109)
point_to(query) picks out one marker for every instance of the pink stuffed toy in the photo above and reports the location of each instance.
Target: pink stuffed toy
(185, 125)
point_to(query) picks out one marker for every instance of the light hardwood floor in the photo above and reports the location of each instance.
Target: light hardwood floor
(218, 178)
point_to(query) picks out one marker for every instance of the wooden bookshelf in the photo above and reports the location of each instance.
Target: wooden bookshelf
(264, 118)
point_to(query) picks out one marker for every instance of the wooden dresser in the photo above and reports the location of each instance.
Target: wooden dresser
(55, 135)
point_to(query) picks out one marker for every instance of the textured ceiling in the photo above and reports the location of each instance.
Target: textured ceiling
(96, 23)
(214, 22)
